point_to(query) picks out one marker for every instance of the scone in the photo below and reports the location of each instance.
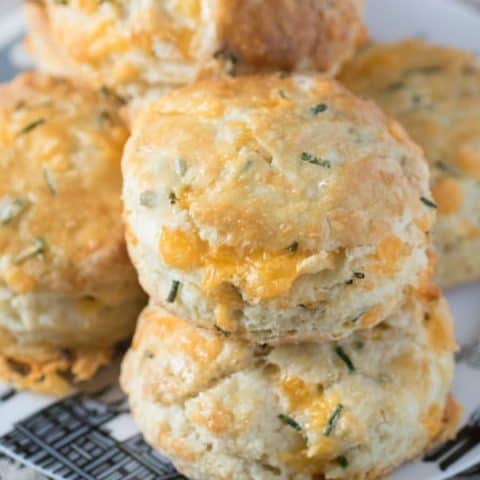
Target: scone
(68, 292)
(275, 209)
(224, 409)
(140, 47)
(434, 92)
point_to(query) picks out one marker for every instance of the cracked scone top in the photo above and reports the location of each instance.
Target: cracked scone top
(275, 208)
(135, 47)
(68, 291)
(434, 92)
(223, 409)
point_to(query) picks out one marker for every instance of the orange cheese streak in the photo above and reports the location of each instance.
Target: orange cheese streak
(317, 407)
(259, 274)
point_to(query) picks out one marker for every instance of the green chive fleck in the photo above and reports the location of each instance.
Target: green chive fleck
(50, 181)
(359, 275)
(172, 295)
(320, 108)
(246, 166)
(332, 421)
(429, 203)
(447, 168)
(309, 158)
(393, 87)
(148, 354)
(37, 248)
(342, 461)
(180, 167)
(229, 58)
(173, 198)
(359, 345)
(293, 247)
(222, 332)
(28, 128)
(290, 422)
(12, 210)
(346, 359)
(148, 199)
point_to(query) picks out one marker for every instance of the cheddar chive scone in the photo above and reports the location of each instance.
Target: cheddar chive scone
(275, 209)
(223, 409)
(434, 92)
(138, 47)
(68, 292)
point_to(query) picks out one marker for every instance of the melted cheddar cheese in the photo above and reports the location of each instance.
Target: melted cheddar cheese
(259, 274)
(316, 407)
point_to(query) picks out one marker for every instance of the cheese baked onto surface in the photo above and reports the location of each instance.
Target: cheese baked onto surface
(225, 409)
(139, 47)
(68, 292)
(434, 92)
(275, 209)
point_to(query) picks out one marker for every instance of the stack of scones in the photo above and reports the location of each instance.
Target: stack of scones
(280, 225)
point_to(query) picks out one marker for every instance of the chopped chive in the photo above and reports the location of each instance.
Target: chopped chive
(309, 158)
(393, 87)
(148, 199)
(180, 167)
(246, 166)
(19, 105)
(427, 70)
(359, 345)
(342, 461)
(12, 210)
(346, 359)
(221, 331)
(293, 247)
(359, 275)
(229, 58)
(104, 90)
(429, 203)
(320, 108)
(172, 295)
(104, 115)
(50, 180)
(282, 94)
(447, 168)
(37, 248)
(332, 421)
(416, 98)
(173, 198)
(28, 128)
(290, 422)
(148, 354)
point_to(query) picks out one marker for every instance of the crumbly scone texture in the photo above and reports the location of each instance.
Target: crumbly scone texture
(276, 209)
(434, 92)
(224, 409)
(141, 47)
(66, 281)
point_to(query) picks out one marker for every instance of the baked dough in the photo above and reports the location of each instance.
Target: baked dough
(68, 292)
(275, 209)
(434, 92)
(223, 409)
(140, 48)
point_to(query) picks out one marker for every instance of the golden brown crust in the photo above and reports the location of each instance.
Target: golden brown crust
(46, 369)
(138, 48)
(225, 409)
(434, 92)
(288, 35)
(60, 147)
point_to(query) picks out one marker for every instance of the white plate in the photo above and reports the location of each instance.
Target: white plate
(443, 21)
